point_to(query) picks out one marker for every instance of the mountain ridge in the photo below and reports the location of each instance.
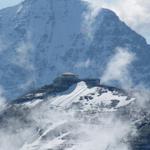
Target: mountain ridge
(67, 118)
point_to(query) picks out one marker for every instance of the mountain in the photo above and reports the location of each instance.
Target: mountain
(41, 39)
(75, 93)
(73, 114)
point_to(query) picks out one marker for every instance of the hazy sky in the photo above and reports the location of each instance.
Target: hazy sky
(135, 13)
(6, 3)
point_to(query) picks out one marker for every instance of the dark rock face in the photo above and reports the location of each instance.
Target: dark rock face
(92, 82)
(142, 141)
(60, 84)
(65, 80)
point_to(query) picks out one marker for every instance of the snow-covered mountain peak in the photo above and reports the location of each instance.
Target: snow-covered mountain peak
(69, 114)
(70, 92)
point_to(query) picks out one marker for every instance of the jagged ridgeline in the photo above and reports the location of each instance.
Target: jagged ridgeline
(75, 90)
(44, 38)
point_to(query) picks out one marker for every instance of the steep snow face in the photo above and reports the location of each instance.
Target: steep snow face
(83, 98)
(41, 39)
(90, 99)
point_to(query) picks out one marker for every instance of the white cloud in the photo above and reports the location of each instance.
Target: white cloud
(8, 3)
(2, 99)
(89, 18)
(135, 13)
(83, 64)
(117, 68)
(142, 95)
(23, 53)
(109, 132)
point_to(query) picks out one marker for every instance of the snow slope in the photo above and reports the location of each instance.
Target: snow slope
(81, 117)
(82, 97)
(91, 98)
(61, 128)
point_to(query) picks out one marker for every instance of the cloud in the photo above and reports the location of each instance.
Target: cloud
(138, 16)
(142, 95)
(28, 84)
(83, 64)
(25, 60)
(109, 132)
(89, 18)
(117, 68)
(23, 53)
(7, 3)
(2, 99)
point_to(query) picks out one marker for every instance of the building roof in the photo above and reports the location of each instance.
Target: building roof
(69, 74)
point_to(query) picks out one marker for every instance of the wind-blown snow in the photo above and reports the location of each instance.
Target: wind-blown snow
(86, 99)
(118, 68)
(90, 97)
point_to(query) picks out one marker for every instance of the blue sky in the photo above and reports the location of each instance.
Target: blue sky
(7, 3)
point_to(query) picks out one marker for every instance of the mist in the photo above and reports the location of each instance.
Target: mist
(118, 68)
(108, 132)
